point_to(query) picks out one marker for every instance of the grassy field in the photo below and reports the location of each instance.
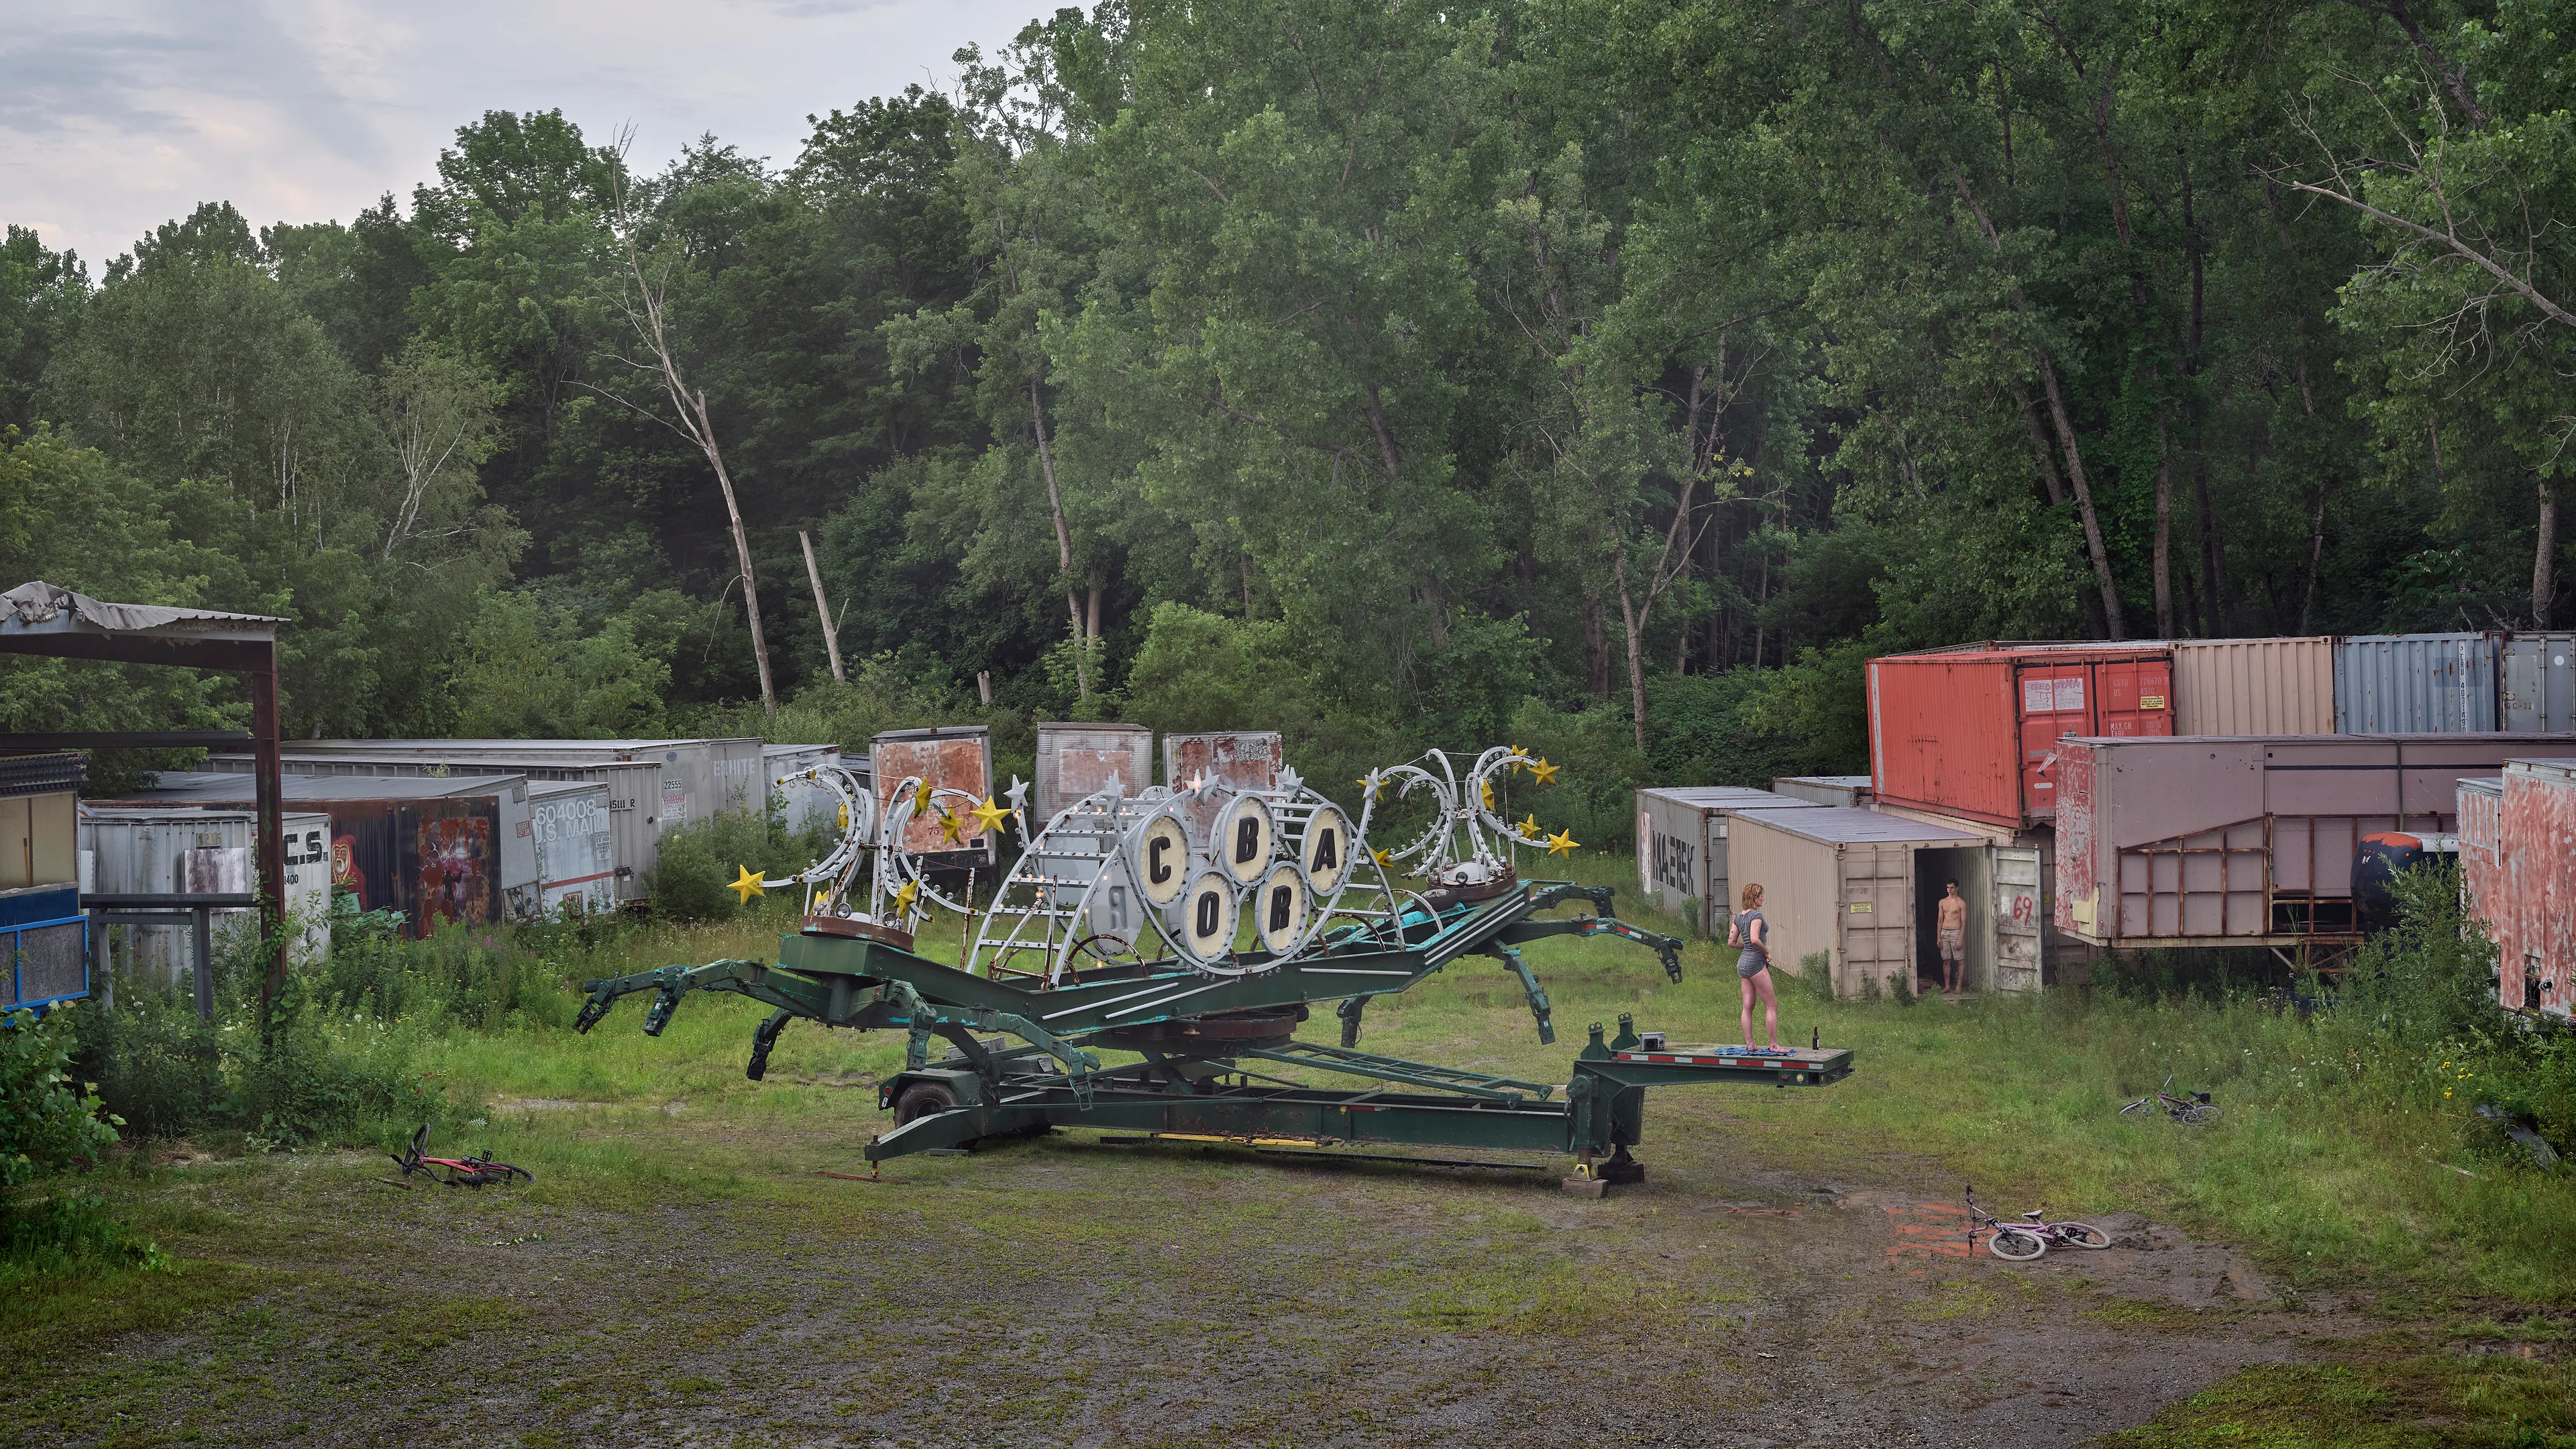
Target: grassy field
(681, 1257)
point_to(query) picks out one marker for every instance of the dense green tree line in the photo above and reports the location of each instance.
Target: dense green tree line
(1614, 371)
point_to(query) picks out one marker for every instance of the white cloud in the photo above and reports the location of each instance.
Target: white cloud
(115, 117)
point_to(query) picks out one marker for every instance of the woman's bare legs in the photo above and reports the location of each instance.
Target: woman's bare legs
(1747, 983)
(1761, 982)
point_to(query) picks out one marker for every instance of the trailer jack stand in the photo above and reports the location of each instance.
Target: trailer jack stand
(1595, 1175)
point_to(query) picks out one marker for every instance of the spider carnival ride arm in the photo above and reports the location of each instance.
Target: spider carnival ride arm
(1195, 928)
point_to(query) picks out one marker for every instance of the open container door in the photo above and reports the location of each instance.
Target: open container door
(2017, 918)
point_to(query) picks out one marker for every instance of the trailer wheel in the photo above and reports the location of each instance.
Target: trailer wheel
(920, 1100)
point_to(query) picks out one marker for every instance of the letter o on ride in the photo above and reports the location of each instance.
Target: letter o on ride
(1207, 915)
(1280, 908)
(1244, 838)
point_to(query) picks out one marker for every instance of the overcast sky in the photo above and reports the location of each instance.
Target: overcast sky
(117, 115)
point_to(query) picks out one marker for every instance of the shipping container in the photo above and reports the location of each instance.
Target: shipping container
(1247, 759)
(156, 851)
(2206, 841)
(2021, 869)
(44, 941)
(947, 757)
(1863, 887)
(784, 771)
(2538, 673)
(576, 857)
(1079, 760)
(2518, 868)
(2254, 686)
(443, 851)
(1974, 733)
(700, 777)
(1846, 790)
(2416, 684)
(634, 794)
(1682, 847)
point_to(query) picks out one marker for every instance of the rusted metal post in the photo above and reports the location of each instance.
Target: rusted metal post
(271, 845)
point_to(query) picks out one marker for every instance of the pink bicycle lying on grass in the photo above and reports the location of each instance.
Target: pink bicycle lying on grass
(2022, 1241)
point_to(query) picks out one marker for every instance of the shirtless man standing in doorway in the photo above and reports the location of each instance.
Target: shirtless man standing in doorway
(1953, 925)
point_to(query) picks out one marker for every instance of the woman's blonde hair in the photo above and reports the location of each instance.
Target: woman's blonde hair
(1752, 897)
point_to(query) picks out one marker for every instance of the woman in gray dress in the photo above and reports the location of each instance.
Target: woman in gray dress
(1751, 935)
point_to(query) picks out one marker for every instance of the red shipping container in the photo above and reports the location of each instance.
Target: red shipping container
(1974, 732)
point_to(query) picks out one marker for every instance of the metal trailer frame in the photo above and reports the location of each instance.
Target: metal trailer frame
(1194, 1030)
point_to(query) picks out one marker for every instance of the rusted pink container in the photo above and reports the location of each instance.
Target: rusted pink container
(2518, 868)
(2220, 841)
(1076, 761)
(1248, 759)
(949, 757)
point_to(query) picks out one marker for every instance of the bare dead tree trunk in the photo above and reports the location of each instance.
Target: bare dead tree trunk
(2117, 624)
(831, 626)
(2544, 560)
(2111, 614)
(1670, 563)
(1063, 543)
(647, 314)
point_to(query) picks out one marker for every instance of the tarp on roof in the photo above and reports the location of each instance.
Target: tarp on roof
(38, 602)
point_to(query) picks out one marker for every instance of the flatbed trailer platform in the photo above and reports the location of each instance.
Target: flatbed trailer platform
(1596, 1120)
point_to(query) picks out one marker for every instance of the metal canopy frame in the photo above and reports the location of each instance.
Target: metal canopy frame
(40, 619)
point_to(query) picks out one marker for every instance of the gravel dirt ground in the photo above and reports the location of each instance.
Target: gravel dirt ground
(1069, 1291)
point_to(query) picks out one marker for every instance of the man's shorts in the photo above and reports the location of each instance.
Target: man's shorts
(1954, 944)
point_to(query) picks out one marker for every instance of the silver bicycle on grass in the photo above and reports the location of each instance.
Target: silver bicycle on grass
(2192, 1107)
(2019, 1242)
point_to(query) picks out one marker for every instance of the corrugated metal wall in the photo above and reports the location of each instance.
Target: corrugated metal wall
(2539, 682)
(2415, 684)
(2254, 686)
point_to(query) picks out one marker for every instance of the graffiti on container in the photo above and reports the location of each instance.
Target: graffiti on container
(454, 885)
(345, 873)
(1673, 862)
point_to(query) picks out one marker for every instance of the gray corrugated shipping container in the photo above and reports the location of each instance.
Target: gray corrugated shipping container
(576, 857)
(1078, 760)
(136, 851)
(2254, 686)
(2539, 682)
(700, 777)
(1844, 882)
(1845, 790)
(634, 793)
(2415, 684)
(1682, 847)
(804, 803)
(477, 861)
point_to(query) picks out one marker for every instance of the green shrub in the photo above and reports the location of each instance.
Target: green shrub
(700, 861)
(49, 1120)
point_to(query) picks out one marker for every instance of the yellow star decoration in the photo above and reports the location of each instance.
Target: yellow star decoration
(1529, 826)
(1519, 754)
(844, 815)
(904, 898)
(921, 798)
(746, 885)
(1561, 843)
(1489, 794)
(950, 824)
(1383, 857)
(1545, 772)
(991, 815)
